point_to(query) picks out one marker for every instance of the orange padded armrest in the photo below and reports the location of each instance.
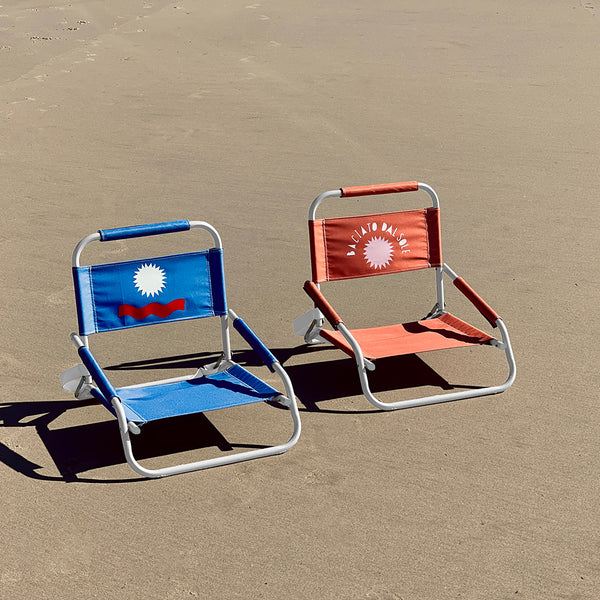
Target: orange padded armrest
(315, 293)
(382, 188)
(482, 306)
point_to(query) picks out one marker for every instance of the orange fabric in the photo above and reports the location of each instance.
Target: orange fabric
(482, 306)
(363, 246)
(445, 331)
(317, 255)
(315, 293)
(382, 188)
(434, 236)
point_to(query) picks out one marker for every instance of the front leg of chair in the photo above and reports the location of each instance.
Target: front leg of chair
(289, 400)
(361, 364)
(202, 464)
(510, 357)
(275, 366)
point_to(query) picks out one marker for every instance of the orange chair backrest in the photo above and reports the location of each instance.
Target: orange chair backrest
(368, 245)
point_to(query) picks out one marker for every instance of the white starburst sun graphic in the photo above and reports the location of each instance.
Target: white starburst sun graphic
(378, 252)
(149, 280)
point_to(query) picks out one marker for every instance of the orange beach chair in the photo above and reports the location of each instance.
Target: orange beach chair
(346, 248)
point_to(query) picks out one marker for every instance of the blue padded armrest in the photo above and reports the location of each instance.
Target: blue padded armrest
(121, 233)
(101, 380)
(255, 343)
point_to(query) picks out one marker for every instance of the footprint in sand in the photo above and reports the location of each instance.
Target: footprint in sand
(589, 7)
(199, 95)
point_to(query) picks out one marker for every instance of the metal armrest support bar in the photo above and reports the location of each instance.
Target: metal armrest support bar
(328, 311)
(253, 340)
(104, 385)
(478, 302)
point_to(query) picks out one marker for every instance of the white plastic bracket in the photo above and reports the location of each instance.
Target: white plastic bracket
(498, 344)
(77, 380)
(283, 400)
(308, 326)
(221, 364)
(370, 365)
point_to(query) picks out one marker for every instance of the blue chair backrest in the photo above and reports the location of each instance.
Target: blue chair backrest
(153, 290)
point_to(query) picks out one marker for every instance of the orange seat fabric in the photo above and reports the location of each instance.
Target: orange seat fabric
(445, 331)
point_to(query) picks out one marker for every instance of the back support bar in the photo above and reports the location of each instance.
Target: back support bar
(122, 233)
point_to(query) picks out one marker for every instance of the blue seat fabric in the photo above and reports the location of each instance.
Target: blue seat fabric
(232, 387)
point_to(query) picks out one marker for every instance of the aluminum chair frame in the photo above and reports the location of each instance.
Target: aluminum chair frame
(90, 380)
(311, 324)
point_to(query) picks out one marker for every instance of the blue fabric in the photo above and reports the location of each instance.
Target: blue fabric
(134, 231)
(84, 300)
(100, 397)
(105, 386)
(232, 387)
(255, 342)
(154, 290)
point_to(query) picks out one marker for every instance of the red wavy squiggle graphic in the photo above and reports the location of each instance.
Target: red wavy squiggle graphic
(154, 308)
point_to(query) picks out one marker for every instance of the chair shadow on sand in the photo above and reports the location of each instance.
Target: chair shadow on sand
(315, 383)
(78, 449)
(82, 448)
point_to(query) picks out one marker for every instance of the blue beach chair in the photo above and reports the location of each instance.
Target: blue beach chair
(178, 287)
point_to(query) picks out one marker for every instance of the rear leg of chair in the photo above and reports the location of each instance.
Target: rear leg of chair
(288, 401)
(505, 345)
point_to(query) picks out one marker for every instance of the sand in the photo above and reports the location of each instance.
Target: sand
(118, 113)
